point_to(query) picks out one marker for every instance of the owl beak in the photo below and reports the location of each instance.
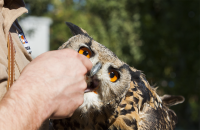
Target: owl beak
(92, 84)
(91, 79)
(95, 69)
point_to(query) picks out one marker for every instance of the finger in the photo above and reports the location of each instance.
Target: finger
(86, 62)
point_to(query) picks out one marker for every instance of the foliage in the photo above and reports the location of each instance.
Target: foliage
(38, 7)
(161, 38)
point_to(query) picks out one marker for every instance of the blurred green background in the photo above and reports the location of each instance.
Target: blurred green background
(159, 37)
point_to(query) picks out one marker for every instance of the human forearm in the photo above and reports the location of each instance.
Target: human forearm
(21, 110)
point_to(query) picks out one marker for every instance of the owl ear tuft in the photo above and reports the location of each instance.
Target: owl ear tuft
(75, 29)
(171, 100)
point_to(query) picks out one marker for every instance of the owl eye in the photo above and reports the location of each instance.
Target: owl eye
(114, 75)
(85, 51)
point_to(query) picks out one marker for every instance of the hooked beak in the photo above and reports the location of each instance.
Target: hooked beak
(95, 69)
(92, 81)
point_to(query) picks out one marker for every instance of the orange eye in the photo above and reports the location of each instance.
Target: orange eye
(85, 51)
(114, 75)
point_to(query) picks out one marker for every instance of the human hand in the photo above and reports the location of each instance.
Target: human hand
(55, 81)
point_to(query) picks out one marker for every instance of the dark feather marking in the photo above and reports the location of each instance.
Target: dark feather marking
(135, 127)
(145, 92)
(122, 105)
(128, 94)
(134, 89)
(132, 109)
(135, 100)
(116, 115)
(89, 43)
(124, 112)
(127, 121)
(131, 103)
(131, 122)
(135, 76)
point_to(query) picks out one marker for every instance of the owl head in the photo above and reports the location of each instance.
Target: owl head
(110, 78)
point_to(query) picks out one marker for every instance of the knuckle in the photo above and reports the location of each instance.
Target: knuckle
(80, 101)
(84, 85)
(84, 70)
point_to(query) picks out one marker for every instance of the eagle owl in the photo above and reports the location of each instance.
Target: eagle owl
(118, 97)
